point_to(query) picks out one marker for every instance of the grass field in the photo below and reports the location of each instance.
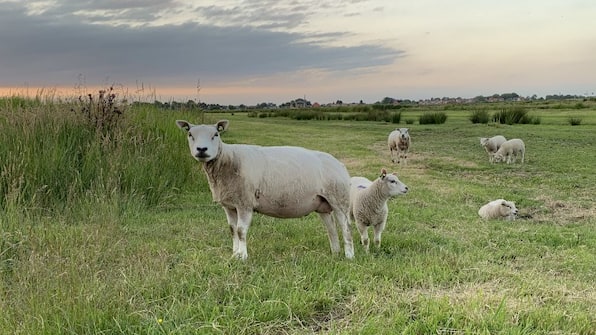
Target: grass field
(122, 237)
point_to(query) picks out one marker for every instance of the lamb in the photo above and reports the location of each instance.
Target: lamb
(281, 181)
(491, 145)
(498, 209)
(368, 203)
(400, 142)
(510, 150)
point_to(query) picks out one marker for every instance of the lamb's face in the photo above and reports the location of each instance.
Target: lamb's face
(483, 141)
(394, 185)
(204, 142)
(508, 210)
(498, 157)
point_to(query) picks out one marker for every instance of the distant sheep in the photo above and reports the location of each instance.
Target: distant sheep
(491, 145)
(283, 182)
(368, 203)
(498, 209)
(399, 143)
(510, 150)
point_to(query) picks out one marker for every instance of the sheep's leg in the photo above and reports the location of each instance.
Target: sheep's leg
(232, 217)
(244, 219)
(344, 223)
(331, 231)
(363, 230)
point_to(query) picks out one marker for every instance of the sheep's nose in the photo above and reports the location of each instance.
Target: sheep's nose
(201, 149)
(407, 189)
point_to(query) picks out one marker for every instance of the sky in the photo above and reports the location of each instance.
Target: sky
(249, 52)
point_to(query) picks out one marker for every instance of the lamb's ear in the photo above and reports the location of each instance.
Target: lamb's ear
(383, 173)
(185, 125)
(222, 125)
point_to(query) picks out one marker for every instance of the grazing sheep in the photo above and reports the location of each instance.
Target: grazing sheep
(498, 209)
(283, 182)
(491, 145)
(368, 203)
(399, 141)
(510, 150)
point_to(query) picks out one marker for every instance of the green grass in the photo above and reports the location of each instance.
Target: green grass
(123, 237)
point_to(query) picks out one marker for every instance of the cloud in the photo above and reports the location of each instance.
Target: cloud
(117, 40)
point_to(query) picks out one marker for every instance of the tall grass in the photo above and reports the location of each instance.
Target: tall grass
(58, 155)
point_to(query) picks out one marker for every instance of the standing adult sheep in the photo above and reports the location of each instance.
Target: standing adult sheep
(282, 182)
(399, 143)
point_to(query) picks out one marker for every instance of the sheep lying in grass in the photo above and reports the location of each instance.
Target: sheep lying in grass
(510, 150)
(498, 209)
(368, 203)
(399, 142)
(283, 182)
(491, 145)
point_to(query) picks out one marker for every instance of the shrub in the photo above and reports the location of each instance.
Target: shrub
(512, 116)
(432, 118)
(395, 117)
(409, 121)
(574, 121)
(479, 116)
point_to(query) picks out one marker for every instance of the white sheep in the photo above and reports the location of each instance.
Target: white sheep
(510, 150)
(368, 203)
(282, 181)
(491, 145)
(399, 142)
(498, 209)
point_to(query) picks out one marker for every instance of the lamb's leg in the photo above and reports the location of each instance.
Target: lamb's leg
(363, 230)
(244, 219)
(378, 229)
(331, 231)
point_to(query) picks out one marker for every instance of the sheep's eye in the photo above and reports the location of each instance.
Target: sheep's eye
(190, 136)
(215, 135)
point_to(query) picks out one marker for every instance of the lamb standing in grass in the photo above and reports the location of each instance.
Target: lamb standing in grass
(283, 182)
(491, 145)
(399, 142)
(368, 203)
(510, 150)
(498, 209)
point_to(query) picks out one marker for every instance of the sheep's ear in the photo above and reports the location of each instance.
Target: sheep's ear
(383, 173)
(185, 125)
(222, 125)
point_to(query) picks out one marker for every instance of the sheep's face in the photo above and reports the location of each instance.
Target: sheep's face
(483, 141)
(508, 210)
(404, 133)
(394, 185)
(203, 140)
